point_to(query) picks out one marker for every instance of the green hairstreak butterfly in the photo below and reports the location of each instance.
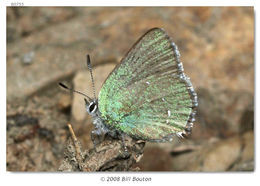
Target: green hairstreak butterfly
(147, 96)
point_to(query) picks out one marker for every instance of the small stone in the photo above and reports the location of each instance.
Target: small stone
(28, 58)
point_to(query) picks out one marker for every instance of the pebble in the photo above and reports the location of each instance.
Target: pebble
(28, 58)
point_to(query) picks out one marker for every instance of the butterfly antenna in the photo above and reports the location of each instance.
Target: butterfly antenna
(72, 90)
(92, 79)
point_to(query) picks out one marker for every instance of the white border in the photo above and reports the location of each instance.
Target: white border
(211, 179)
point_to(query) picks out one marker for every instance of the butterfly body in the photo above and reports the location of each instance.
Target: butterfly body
(147, 96)
(101, 129)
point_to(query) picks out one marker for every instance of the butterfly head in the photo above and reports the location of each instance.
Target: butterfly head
(91, 104)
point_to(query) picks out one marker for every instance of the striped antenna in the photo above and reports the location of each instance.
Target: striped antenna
(92, 79)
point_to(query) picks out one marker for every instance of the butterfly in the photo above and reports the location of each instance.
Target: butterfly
(147, 96)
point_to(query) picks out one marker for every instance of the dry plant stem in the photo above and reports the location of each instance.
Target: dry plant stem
(109, 155)
(72, 133)
(76, 143)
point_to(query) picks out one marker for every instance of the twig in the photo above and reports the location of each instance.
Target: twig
(77, 146)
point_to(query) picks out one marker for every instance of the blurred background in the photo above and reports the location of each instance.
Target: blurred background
(46, 45)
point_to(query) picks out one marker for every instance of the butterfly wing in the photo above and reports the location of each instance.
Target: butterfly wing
(147, 96)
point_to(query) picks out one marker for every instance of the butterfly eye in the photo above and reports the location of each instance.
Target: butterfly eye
(92, 107)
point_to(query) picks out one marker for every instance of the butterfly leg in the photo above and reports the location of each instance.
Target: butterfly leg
(123, 137)
(97, 136)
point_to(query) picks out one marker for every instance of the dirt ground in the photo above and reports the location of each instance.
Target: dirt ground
(46, 45)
